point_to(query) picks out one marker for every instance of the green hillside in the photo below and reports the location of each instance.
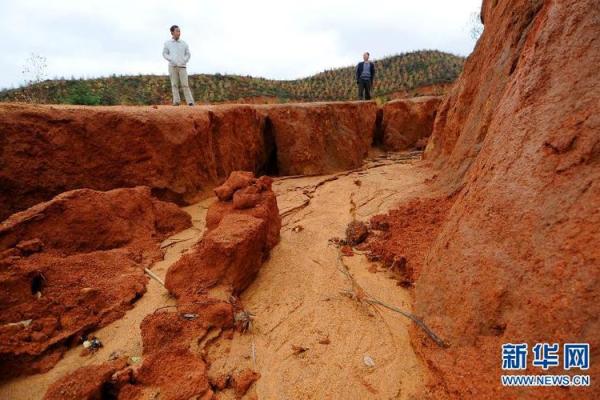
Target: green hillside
(403, 72)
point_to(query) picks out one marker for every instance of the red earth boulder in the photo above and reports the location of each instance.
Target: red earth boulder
(229, 255)
(260, 203)
(238, 239)
(236, 180)
(406, 122)
(170, 374)
(243, 380)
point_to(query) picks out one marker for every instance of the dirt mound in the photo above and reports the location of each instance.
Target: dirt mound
(254, 193)
(401, 238)
(408, 121)
(177, 151)
(517, 260)
(316, 138)
(205, 282)
(74, 264)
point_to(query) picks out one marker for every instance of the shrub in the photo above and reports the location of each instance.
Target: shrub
(80, 93)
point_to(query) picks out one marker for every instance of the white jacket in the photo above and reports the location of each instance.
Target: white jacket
(176, 52)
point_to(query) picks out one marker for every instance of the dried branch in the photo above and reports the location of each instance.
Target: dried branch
(358, 293)
(154, 276)
(174, 242)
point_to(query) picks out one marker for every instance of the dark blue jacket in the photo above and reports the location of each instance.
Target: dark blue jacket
(359, 70)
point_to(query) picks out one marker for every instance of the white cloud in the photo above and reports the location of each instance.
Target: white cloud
(274, 39)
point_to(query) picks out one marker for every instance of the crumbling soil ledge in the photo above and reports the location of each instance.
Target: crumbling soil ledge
(72, 265)
(205, 282)
(180, 153)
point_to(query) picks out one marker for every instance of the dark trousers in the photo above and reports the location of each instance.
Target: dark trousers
(364, 89)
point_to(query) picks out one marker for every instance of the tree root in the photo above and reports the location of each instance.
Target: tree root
(362, 296)
(173, 242)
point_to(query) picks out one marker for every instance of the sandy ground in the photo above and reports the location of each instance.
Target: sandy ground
(297, 301)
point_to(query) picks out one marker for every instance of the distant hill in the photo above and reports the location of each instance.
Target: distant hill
(397, 75)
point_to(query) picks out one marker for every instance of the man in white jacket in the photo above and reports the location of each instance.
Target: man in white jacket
(177, 53)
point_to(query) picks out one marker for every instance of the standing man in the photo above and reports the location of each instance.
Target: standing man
(365, 73)
(177, 53)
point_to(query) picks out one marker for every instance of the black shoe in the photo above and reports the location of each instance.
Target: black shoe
(190, 104)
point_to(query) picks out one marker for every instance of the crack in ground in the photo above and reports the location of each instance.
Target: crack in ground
(310, 190)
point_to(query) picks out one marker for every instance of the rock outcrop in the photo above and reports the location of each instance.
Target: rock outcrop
(237, 241)
(72, 265)
(407, 123)
(517, 260)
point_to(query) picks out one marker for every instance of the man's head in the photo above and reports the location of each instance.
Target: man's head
(175, 32)
(366, 56)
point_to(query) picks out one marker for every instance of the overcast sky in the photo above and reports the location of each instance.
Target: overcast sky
(271, 38)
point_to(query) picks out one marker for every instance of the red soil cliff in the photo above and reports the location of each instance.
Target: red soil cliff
(317, 138)
(175, 151)
(518, 259)
(178, 152)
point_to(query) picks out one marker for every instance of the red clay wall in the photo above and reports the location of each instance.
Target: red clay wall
(316, 138)
(518, 258)
(178, 152)
(407, 123)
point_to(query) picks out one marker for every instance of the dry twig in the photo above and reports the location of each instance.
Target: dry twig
(358, 293)
(154, 276)
(173, 242)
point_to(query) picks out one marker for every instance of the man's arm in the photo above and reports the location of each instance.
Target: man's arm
(166, 54)
(187, 54)
(372, 72)
(357, 72)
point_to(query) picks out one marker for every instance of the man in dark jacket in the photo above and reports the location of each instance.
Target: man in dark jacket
(365, 73)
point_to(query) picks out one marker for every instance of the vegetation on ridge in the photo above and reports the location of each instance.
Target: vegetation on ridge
(399, 73)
